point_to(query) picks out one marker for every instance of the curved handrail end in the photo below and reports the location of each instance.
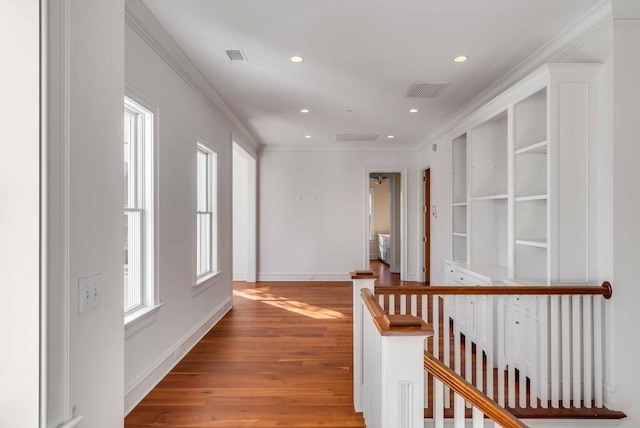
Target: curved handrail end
(608, 290)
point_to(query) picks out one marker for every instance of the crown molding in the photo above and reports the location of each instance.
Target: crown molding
(579, 33)
(142, 21)
(331, 148)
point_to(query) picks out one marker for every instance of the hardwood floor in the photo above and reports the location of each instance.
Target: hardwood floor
(281, 358)
(385, 277)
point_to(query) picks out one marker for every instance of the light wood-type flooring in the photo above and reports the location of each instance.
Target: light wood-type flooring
(282, 357)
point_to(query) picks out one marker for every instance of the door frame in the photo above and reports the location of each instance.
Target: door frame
(252, 210)
(422, 221)
(404, 247)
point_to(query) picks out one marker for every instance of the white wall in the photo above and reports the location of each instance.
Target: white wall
(626, 213)
(19, 213)
(183, 116)
(85, 117)
(240, 215)
(312, 211)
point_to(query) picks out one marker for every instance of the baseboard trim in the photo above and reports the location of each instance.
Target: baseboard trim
(138, 388)
(304, 276)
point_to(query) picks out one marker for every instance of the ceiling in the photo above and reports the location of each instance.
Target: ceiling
(360, 57)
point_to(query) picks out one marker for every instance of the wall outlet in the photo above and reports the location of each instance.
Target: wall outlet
(89, 293)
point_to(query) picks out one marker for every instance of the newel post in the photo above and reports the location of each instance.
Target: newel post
(361, 279)
(403, 375)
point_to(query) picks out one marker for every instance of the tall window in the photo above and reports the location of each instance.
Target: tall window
(206, 216)
(138, 204)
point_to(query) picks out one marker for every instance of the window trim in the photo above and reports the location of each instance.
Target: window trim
(210, 277)
(141, 315)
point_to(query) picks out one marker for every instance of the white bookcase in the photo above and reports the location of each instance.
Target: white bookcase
(519, 176)
(459, 198)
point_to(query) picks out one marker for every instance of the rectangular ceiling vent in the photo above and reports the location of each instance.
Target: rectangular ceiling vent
(356, 137)
(236, 55)
(425, 89)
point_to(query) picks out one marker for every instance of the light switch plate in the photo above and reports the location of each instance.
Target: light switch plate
(89, 293)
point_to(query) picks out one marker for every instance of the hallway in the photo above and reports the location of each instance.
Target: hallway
(281, 357)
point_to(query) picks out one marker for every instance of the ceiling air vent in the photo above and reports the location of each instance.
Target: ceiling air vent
(356, 137)
(425, 89)
(236, 55)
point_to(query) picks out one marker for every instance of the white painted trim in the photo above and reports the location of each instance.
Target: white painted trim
(44, 211)
(139, 387)
(57, 97)
(240, 277)
(304, 276)
(330, 148)
(139, 319)
(142, 21)
(569, 40)
(73, 422)
(404, 249)
(200, 287)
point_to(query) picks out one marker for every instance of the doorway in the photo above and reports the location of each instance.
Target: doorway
(385, 235)
(426, 238)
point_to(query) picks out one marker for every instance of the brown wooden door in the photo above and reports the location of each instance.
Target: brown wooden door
(427, 224)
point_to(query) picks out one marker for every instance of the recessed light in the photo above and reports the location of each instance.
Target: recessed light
(461, 58)
(297, 59)
(304, 110)
(413, 110)
(391, 136)
(307, 136)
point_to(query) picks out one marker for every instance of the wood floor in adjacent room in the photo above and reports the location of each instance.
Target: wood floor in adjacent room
(282, 357)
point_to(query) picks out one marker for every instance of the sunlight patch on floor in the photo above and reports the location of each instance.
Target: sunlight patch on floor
(301, 308)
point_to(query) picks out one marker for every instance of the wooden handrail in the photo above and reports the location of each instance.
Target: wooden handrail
(605, 290)
(467, 391)
(394, 325)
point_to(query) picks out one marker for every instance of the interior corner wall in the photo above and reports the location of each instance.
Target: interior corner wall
(626, 217)
(183, 116)
(240, 216)
(312, 212)
(20, 213)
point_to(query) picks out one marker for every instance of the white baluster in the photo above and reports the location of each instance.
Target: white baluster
(501, 339)
(414, 305)
(597, 347)
(532, 334)
(554, 362)
(524, 343)
(477, 418)
(513, 353)
(587, 349)
(489, 348)
(458, 411)
(576, 347)
(469, 327)
(438, 403)
(403, 304)
(566, 352)
(392, 304)
(446, 335)
(543, 352)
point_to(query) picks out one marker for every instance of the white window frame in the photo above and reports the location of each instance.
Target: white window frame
(140, 315)
(207, 278)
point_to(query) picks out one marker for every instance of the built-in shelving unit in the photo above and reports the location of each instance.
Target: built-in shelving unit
(531, 187)
(520, 191)
(459, 197)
